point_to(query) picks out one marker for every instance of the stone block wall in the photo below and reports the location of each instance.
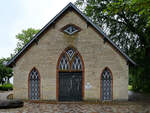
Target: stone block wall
(95, 53)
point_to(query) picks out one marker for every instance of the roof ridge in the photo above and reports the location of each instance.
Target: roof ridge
(52, 21)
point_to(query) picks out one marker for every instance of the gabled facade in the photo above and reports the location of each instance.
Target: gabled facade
(70, 59)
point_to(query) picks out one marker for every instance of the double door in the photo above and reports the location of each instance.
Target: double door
(70, 86)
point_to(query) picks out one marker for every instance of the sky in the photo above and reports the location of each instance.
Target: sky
(16, 15)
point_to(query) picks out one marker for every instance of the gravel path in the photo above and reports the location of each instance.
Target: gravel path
(134, 96)
(134, 106)
(4, 94)
(79, 108)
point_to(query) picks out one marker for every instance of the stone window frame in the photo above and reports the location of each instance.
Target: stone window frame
(63, 29)
(70, 61)
(29, 84)
(101, 82)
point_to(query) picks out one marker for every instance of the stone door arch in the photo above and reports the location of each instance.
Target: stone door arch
(70, 76)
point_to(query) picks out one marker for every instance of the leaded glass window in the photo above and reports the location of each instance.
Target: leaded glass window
(76, 64)
(64, 63)
(70, 52)
(106, 85)
(70, 61)
(71, 30)
(34, 88)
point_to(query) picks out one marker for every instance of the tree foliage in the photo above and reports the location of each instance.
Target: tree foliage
(24, 37)
(127, 23)
(5, 72)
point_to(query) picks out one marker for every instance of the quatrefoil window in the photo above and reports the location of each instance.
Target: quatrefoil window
(70, 29)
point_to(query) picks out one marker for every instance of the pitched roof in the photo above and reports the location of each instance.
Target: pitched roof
(70, 5)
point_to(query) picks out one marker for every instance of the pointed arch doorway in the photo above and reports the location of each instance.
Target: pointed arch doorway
(70, 76)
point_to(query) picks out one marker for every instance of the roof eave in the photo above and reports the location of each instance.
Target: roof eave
(50, 22)
(42, 30)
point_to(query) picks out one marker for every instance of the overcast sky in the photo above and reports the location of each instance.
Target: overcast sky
(16, 15)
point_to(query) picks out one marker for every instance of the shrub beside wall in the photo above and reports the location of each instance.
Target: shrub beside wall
(6, 87)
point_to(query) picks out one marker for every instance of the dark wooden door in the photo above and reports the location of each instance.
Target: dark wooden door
(70, 86)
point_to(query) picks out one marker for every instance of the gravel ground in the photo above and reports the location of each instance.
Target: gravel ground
(4, 94)
(139, 104)
(80, 108)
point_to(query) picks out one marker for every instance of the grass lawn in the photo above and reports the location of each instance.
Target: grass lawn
(6, 87)
(130, 87)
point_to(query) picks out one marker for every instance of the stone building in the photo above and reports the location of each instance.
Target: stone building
(70, 59)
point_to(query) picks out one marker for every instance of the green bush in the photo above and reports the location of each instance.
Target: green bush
(6, 87)
(130, 87)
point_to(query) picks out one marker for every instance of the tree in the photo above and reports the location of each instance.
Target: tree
(24, 37)
(5, 72)
(126, 22)
(142, 6)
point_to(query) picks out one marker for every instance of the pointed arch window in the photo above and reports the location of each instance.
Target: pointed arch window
(106, 80)
(70, 61)
(34, 85)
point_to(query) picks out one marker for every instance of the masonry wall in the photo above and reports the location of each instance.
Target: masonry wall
(96, 56)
